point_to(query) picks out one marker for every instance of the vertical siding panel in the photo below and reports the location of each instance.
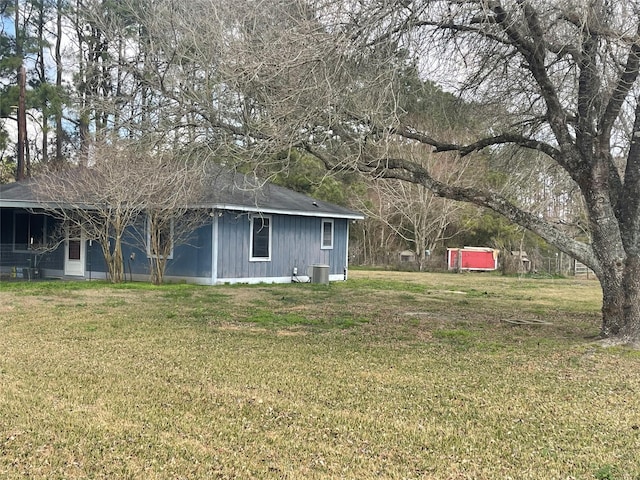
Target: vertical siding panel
(286, 241)
(303, 246)
(341, 242)
(223, 242)
(242, 239)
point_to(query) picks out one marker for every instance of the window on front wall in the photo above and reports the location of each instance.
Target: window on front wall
(327, 234)
(29, 231)
(260, 239)
(159, 237)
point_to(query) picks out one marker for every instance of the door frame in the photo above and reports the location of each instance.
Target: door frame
(73, 267)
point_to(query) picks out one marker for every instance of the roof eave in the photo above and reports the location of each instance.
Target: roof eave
(219, 206)
(279, 211)
(24, 204)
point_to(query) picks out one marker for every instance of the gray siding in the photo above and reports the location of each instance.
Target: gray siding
(190, 260)
(295, 242)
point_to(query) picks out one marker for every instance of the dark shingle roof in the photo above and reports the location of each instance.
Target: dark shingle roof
(17, 193)
(242, 192)
(225, 190)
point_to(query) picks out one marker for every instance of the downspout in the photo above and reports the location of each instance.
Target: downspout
(346, 253)
(214, 247)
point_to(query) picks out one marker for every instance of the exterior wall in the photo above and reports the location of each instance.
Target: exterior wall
(190, 261)
(295, 242)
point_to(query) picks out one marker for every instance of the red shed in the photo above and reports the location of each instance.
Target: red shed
(472, 258)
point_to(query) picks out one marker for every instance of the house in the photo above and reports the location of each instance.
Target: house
(252, 234)
(472, 258)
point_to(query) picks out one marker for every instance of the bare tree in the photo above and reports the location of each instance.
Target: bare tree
(414, 212)
(174, 188)
(417, 215)
(124, 182)
(103, 200)
(564, 73)
(329, 77)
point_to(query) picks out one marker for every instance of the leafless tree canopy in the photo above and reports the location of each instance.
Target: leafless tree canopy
(560, 75)
(125, 184)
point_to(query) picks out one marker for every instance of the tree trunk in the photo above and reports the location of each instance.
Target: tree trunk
(85, 135)
(58, 60)
(117, 273)
(21, 119)
(630, 332)
(114, 261)
(21, 169)
(621, 304)
(608, 247)
(42, 75)
(158, 266)
(612, 304)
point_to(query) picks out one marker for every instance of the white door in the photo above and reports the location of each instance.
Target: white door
(74, 252)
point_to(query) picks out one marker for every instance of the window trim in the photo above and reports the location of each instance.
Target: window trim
(148, 232)
(324, 222)
(252, 218)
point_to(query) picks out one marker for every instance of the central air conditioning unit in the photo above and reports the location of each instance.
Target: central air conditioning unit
(320, 274)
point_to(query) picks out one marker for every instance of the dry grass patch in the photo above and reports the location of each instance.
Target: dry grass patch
(384, 376)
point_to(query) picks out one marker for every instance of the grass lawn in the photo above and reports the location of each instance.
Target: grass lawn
(388, 375)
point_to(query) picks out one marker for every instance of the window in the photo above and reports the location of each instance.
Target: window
(74, 249)
(260, 239)
(159, 237)
(327, 234)
(29, 231)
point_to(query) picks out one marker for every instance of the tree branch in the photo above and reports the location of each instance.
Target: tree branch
(629, 202)
(624, 84)
(506, 138)
(411, 172)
